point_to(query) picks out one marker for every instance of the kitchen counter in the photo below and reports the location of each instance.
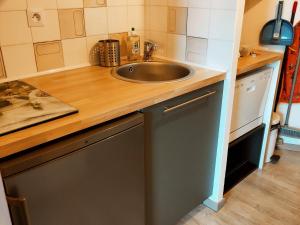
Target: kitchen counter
(248, 63)
(99, 97)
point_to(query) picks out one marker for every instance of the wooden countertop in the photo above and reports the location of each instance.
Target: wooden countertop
(248, 63)
(99, 98)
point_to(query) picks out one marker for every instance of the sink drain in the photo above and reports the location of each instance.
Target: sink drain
(131, 69)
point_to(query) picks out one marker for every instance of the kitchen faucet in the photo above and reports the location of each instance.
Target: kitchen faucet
(149, 48)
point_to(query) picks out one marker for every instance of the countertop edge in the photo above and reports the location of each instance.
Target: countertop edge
(249, 63)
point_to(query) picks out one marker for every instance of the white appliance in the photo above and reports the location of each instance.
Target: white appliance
(251, 92)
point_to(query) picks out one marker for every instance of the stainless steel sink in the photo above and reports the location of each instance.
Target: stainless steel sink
(144, 72)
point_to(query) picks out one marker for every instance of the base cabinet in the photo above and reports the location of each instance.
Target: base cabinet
(151, 168)
(181, 141)
(94, 178)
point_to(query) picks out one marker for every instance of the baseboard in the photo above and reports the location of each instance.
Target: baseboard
(289, 147)
(290, 140)
(216, 206)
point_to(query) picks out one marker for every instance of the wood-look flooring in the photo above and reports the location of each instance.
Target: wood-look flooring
(270, 197)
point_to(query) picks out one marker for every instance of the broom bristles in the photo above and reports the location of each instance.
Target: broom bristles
(289, 132)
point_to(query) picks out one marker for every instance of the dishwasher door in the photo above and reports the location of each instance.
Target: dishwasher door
(100, 184)
(181, 142)
(251, 92)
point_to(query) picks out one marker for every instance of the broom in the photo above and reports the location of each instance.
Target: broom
(286, 130)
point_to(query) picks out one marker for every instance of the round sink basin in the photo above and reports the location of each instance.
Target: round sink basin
(144, 72)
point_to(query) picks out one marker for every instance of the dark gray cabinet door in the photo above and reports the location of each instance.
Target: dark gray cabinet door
(101, 184)
(181, 142)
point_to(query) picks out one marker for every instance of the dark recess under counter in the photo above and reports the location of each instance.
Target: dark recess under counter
(243, 157)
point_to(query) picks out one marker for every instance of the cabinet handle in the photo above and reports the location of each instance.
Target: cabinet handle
(21, 203)
(167, 109)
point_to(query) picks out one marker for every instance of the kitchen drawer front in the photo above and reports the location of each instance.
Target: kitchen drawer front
(66, 145)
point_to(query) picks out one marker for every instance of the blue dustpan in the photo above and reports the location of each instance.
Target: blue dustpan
(277, 31)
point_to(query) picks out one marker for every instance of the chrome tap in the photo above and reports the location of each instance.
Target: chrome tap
(149, 48)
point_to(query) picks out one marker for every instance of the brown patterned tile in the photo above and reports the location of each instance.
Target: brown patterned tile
(94, 3)
(122, 37)
(2, 68)
(71, 23)
(177, 20)
(49, 55)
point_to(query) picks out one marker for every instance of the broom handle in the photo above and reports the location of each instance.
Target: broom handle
(278, 24)
(295, 5)
(285, 58)
(295, 75)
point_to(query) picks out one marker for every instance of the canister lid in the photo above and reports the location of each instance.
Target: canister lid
(109, 41)
(275, 118)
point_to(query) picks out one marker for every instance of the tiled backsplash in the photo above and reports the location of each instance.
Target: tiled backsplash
(69, 35)
(198, 31)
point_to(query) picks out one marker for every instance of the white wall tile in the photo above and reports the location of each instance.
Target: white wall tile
(136, 2)
(19, 60)
(158, 18)
(196, 50)
(95, 21)
(205, 4)
(178, 3)
(222, 24)
(75, 51)
(92, 48)
(116, 2)
(50, 30)
(9, 5)
(160, 38)
(117, 19)
(177, 20)
(42, 4)
(198, 22)
(147, 17)
(197, 45)
(196, 58)
(176, 46)
(69, 4)
(16, 31)
(136, 17)
(94, 3)
(220, 54)
(223, 4)
(158, 2)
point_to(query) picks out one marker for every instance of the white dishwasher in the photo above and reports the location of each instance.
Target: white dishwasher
(251, 92)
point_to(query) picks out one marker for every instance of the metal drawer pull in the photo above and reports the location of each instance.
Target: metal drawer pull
(167, 109)
(21, 203)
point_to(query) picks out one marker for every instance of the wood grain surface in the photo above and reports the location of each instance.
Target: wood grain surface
(248, 63)
(99, 97)
(271, 196)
